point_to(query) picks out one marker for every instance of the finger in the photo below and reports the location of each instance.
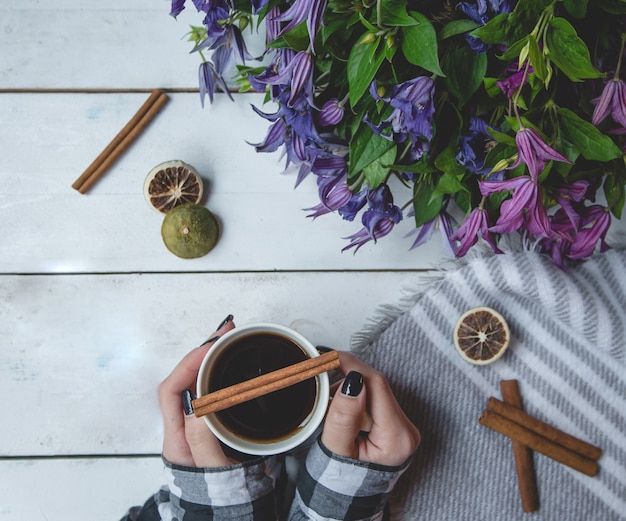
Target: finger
(382, 404)
(205, 448)
(182, 377)
(345, 417)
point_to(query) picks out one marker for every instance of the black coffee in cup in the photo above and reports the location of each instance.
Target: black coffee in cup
(273, 416)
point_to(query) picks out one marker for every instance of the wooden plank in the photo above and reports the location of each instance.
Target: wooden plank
(74, 344)
(61, 489)
(125, 45)
(47, 226)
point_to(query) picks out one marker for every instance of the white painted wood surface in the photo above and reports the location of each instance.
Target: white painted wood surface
(49, 227)
(82, 355)
(94, 311)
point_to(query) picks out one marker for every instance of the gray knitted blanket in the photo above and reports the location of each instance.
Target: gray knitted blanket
(568, 354)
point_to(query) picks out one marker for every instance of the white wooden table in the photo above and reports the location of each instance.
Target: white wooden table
(94, 311)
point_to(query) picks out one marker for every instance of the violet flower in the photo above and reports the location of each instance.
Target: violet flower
(612, 101)
(511, 84)
(311, 11)
(413, 113)
(475, 226)
(444, 221)
(534, 152)
(524, 208)
(177, 7)
(208, 79)
(559, 240)
(575, 192)
(378, 220)
(478, 12)
(594, 227)
(297, 74)
(331, 113)
(473, 149)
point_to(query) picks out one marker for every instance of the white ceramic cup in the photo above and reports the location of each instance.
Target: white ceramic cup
(264, 447)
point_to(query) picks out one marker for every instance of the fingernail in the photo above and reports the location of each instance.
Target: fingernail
(353, 384)
(224, 322)
(324, 349)
(209, 340)
(187, 406)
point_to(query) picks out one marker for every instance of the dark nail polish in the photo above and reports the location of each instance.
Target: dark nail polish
(353, 384)
(224, 322)
(209, 340)
(324, 349)
(187, 406)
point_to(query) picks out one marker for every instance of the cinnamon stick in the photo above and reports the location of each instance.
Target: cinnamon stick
(121, 141)
(524, 464)
(264, 384)
(534, 441)
(543, 429)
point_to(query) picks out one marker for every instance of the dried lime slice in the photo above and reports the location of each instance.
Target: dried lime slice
(190, 231)
(481, 335)
(171, 184)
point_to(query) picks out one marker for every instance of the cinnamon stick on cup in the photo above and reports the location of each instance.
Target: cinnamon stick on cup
(264, 384)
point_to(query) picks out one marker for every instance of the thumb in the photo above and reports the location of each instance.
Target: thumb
(205, 448)
(345, 417)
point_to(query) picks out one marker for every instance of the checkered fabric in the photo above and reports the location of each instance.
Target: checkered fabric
(242, 492)
(331, 487)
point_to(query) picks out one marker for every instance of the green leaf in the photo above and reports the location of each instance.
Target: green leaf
(577, 8)
(296, 39)
(363, 63)
(422, 166)
(494, 31)
(537, 59)
(446, 162)
(365, 148)
(393, 13)
(465, 72)
(426, 204)
(593, 145)
(448, 184)
(376, 172)
(614, 194)
(457, 27)
(568, 52)
(419, 44)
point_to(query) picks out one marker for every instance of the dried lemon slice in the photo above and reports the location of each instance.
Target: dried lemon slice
(171, 184)
(481, 335)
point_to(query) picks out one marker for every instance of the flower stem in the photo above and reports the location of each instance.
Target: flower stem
(619, 59)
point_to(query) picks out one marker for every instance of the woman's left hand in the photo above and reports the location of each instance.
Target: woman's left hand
(187, 440)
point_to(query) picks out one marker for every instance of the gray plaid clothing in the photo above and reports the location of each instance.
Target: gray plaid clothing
(329, 488)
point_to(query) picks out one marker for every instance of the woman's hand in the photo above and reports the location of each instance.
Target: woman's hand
(187, 440)
(392, 437)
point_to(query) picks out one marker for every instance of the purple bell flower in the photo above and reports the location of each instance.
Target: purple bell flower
(534, 152)
(311, 11)
(332, 112)
(594, 227)
(413, 113)
(378, 220)
(612, 101)
(525, 207)
(475, 226)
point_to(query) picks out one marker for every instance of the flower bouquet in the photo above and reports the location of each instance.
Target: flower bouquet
(488, 117)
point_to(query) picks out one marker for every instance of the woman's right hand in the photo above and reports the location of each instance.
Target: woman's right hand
(392, 437)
